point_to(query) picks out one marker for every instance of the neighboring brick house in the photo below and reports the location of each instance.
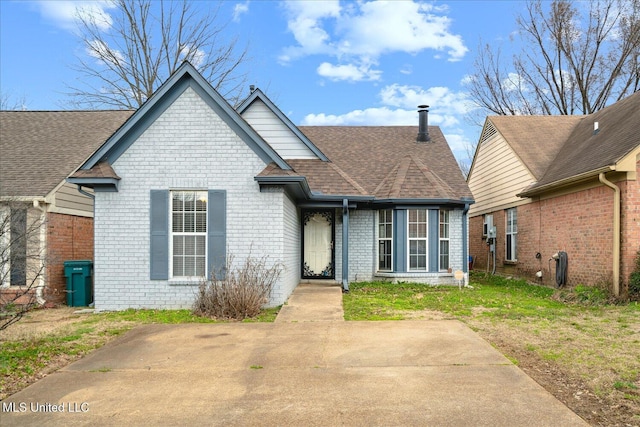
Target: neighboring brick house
(550, 184)
(47, 220)
(188, 180)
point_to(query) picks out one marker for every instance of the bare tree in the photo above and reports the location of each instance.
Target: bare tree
(22, 261)
(577, 58)
(8, 102)
(132, 52)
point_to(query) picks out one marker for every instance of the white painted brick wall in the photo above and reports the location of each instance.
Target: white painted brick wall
(362, 247)
(188, 147)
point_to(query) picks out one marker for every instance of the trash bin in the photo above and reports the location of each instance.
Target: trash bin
(470, 263)
(79, 276)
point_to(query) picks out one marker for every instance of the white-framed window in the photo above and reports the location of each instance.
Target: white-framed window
(444, 239)
(511, 235)
(188, 233)
(417, 232)
(385, 240)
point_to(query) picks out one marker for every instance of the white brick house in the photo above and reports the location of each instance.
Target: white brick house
(188, 180)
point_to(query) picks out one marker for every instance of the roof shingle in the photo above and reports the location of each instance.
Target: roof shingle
(39, 149)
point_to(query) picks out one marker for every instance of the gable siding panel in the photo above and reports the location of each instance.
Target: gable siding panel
(276, 133)
(68, 198)
(498, 175)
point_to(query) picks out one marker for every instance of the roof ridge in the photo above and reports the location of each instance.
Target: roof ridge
(401, 176)
(442, 187)
(347, 178)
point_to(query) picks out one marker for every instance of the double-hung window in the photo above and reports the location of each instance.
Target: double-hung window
(417, 237)
(385, 240)
(444, 239)
(511, 235)
(188, 233)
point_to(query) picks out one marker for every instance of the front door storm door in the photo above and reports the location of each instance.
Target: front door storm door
(318, 232)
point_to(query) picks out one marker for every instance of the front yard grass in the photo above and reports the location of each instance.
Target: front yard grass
(586, 352)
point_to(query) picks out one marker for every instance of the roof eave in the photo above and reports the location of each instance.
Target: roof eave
(109, 185)
(575, 179)
(434, 201)
(302, 185)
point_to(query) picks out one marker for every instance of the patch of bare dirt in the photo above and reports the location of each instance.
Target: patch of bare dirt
(566, 385)
(41, 322)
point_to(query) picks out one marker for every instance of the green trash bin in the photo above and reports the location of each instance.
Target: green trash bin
(79, 276)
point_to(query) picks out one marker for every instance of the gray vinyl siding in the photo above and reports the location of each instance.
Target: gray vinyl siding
(68, 198)
(276, 133)
(498, 175)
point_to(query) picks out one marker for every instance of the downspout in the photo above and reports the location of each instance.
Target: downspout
(465, 242)
(81, 191)
(345, 245)
(616, 232)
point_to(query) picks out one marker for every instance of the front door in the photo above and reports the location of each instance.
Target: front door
(318, 232)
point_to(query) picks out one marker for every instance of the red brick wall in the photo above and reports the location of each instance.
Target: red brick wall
(580, 224)
(630, 224)
(68, 238)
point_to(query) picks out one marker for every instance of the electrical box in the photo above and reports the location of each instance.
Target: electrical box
(491, 232)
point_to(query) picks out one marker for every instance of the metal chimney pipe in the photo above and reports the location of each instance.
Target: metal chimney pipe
(423, 124)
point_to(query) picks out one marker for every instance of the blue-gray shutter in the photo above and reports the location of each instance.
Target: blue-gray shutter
(217, 232)
(159, 235)
(434, 240)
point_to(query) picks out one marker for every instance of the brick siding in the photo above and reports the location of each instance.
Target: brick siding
(187, 147)
(579, 223)
(69, 237)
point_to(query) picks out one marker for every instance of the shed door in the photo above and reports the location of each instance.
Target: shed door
(317, 245)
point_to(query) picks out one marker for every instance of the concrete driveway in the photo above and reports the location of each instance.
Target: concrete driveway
(436, 373)
(323, 373)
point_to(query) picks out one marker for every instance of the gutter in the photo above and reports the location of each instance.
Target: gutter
(616, 232)
(564, 182)
(40, 205)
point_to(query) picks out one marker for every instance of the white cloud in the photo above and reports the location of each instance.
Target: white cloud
(370, 117)
(442, 100)
(359, 33)
(447, 110)
(239, 9)
(348, 72)
(64, 14)
(101, 51)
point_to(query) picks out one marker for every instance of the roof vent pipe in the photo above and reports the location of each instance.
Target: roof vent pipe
(596, 128)
(423, 124)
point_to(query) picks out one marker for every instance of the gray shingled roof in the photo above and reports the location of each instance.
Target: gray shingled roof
(387, 162)
(39, 149)
(536, 140)
(587, 151)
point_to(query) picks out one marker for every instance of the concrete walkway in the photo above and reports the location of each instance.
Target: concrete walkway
(313, 303)
(289, 373)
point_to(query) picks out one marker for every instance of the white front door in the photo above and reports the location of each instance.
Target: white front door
(318, 244)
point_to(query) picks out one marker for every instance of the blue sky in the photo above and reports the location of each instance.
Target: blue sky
(321, 62)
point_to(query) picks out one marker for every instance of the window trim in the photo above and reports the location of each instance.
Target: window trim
(511, 235)
(444, 239)
(389, 239)
(416, 239)
(198, 193)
